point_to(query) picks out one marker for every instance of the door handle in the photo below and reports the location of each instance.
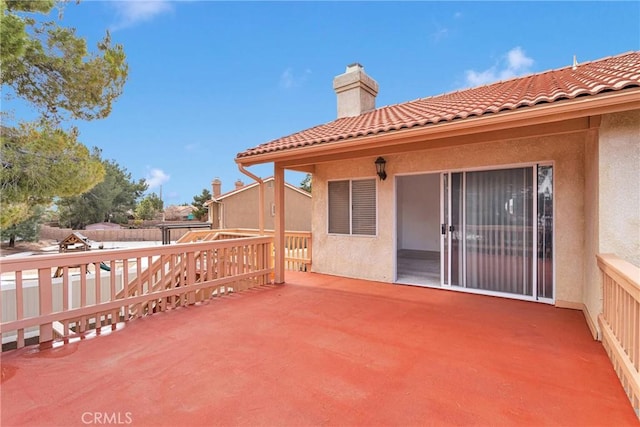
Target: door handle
(443, 229)
(452, 228)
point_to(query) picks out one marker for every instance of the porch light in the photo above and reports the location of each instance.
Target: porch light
(380, 164)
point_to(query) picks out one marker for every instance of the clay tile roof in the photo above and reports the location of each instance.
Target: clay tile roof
(590, 78)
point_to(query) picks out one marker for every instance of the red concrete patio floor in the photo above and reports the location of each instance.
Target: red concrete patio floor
(324, 350)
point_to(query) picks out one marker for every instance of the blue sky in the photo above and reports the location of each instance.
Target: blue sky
(208, 79)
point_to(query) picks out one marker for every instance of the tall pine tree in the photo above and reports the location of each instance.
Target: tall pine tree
(50, 68)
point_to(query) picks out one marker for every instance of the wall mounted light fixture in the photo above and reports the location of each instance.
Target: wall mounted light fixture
(380, 165)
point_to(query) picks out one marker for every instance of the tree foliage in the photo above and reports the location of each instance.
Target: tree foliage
(112, 200)
(200, 211)
(149, 207)
(306, 183)
(27, 230)
(50, 68)
(38, 164)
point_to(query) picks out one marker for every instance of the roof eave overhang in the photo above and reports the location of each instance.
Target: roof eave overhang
(610, 102)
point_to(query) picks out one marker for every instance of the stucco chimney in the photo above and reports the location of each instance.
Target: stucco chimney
(356, 91)
(239, 184)
(216, 186)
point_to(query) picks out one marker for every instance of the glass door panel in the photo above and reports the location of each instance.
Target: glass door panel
(451, 229)
(499, 230)
(456, 229)
(545, 232)
(444, 226)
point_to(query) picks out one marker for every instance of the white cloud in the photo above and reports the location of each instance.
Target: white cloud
(132, 12)
(513, 63)
(156, 177)
(290, 80)
(518, 60)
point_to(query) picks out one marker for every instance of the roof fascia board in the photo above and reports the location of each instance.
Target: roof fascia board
(417, 144)
(610, 102)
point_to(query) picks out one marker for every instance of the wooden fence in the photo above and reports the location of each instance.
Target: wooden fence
(620, 322)
(117, 235)
(102, 288)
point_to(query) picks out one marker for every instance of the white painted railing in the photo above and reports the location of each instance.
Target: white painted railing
(620, 322)
(100, 288)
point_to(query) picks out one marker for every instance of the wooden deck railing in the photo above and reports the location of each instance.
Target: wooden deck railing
(620, 322)
(101, 288)
(297, 244)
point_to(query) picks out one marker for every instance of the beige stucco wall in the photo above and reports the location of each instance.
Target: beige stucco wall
(373, 257)
(612, 200)
(240, 210)
(619, 182)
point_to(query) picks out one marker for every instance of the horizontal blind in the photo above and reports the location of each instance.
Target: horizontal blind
(364, 207)
(339, 207)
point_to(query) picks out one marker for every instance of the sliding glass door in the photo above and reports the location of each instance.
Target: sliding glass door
(490, 231)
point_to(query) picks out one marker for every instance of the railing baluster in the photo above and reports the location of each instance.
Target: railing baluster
(125, 288)
(190, 277)
(83, 295)
(19, 306)
(66, 299)
(138, 288)
(162, 305)
(112, 289)
(98, 285)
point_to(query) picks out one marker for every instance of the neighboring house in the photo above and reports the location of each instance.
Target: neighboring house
(240, 208)
(508, 189)
(179, 213)
(103, 226)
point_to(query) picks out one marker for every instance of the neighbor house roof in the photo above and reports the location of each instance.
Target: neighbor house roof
(591, 78)
(252, 185)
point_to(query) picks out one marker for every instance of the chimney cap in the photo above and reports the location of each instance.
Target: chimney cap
(355, 90)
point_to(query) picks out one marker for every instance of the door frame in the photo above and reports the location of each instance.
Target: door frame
(534, 243)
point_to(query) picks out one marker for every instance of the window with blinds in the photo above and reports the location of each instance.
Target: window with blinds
(352, 207)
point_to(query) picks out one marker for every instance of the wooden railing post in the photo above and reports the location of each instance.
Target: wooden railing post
(45, 295)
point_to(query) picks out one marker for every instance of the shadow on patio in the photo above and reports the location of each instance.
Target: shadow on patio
(324, 350)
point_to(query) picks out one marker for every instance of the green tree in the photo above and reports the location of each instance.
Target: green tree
(200, 211)
(27, 230)
(306, 183)
(39, 163)
(112, 200)
(149, 207)
(50, 68)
